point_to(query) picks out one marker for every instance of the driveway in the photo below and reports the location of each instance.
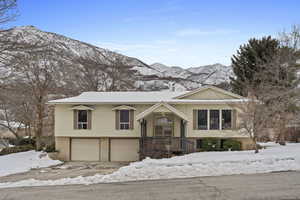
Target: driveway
(68, 169)
(279, 186)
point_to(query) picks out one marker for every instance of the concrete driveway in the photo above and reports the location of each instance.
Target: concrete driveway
(279, 186)
(68, 169)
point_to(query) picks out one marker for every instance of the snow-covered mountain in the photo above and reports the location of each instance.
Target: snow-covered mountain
(147, 77)
(187, 78)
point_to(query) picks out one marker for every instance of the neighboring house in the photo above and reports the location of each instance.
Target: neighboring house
(124, 126)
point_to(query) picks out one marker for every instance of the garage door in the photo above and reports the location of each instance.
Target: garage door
(85, 149)
(124, 149)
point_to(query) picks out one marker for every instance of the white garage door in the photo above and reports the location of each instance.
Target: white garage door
(85, 149)
(124, 149)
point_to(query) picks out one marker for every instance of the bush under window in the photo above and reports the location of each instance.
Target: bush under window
(216, 144)
(232, 145)
(210, 144)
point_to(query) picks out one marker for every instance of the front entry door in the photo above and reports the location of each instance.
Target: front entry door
(163, 126)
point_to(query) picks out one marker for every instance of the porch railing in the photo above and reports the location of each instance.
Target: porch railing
(159, 147)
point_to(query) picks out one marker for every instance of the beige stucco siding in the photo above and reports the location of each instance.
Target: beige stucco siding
(62, 145)
(104, 151)
(208, 94)
(103, 122)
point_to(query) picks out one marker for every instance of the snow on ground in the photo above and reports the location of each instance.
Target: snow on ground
(24, 161)
(274, 158)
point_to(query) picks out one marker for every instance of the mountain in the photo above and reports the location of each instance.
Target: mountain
(156, 76)
(182, 78)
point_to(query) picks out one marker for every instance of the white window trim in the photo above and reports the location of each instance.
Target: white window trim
(80, 125)
(220, 119)
(208, 119)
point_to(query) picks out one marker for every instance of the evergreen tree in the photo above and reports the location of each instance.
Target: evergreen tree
(248, 63)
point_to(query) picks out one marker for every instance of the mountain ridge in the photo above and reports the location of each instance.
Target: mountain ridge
(156, 76)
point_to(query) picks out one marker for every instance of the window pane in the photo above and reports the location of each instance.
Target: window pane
(124, 126)
(214, 119)
(202, 119)
(226, 119)
(82, 115)
(124, 116)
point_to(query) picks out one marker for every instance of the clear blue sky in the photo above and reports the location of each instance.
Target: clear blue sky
(187, 33)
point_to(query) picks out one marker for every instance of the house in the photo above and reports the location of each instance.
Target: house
(125, 126)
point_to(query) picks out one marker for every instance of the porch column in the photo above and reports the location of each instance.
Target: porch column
(220, 118)
(182, 133)
(143, 125)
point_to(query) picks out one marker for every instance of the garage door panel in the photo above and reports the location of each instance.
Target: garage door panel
(85, 149)
(124, 150)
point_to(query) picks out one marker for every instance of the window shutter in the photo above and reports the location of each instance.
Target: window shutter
(195, 119)
(131, 119)
(89, 119)
(117, 119)
(75, 119)
(233, 119)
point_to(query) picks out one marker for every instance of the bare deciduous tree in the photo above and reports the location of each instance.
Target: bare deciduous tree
(35, 75)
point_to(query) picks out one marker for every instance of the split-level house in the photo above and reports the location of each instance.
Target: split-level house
(125, 126)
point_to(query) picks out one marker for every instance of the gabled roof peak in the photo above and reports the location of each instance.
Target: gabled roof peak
(236, 96)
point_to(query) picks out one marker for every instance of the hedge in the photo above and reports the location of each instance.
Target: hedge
(211, 144)
(232, 145)
(216, 144)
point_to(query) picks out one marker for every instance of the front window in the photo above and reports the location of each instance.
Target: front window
(163, 126)
(226, 119)
(124, 119)
(202, 119)
(82, 119)
(214, 119)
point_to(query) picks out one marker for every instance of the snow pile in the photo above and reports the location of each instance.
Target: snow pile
(274, 158)
(24, 161)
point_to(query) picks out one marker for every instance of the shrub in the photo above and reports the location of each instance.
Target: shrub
(27, 141)
(22, 141)
(210, 144)
(16, 149)
(50, 148)
(233, 145)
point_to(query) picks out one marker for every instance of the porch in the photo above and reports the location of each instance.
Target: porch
(163, 132)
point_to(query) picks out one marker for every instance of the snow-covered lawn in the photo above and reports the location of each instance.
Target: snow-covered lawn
(274, 158)
(24, 161)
